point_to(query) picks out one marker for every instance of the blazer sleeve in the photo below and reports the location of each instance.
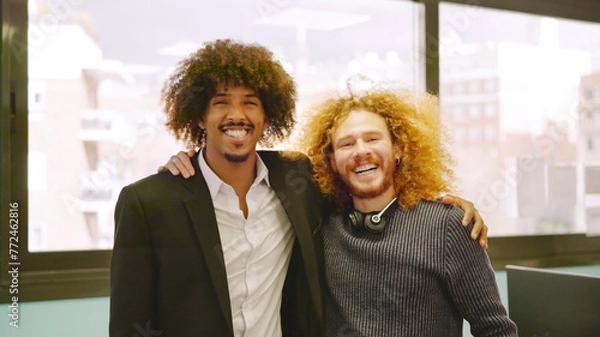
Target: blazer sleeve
(472, 283)
(132, 271)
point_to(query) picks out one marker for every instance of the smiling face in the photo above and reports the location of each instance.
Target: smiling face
(364, 156)
(234, 121)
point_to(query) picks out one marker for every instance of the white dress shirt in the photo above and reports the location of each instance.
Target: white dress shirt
(257, 251)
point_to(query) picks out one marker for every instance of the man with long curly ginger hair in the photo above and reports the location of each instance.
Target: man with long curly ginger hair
(209, 256)
(396, 263)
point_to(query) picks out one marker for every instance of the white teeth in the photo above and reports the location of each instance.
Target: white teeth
(365, 168)
(236, 133)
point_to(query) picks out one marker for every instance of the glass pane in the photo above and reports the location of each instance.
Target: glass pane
(96, 69)
(522, 104)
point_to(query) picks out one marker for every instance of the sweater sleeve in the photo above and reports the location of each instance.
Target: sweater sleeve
(471, 281)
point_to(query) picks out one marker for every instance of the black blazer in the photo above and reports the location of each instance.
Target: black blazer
(167, 270)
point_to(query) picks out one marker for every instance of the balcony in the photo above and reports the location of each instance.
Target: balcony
(101, 125)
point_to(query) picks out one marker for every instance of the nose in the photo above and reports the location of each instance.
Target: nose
(361, 149)
(236, 113)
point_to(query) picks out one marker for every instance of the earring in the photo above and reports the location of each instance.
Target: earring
(398, 161)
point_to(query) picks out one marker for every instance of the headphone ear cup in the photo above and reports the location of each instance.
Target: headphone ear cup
(374, 223)
(355, 220)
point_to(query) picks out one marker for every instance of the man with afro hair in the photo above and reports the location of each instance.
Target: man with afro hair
(230, 251)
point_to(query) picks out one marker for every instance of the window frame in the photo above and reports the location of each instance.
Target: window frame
(85, 274)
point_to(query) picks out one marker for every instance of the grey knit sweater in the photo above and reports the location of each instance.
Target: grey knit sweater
(420, 277)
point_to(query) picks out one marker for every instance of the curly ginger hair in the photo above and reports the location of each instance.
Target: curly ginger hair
(414, 123)
(188, 90)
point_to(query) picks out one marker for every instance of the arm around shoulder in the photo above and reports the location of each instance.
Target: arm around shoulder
(472, 283)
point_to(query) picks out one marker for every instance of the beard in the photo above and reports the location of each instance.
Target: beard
(370, 191)
(239, 158)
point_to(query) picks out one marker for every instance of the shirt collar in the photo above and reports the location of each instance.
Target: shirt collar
(214, 182)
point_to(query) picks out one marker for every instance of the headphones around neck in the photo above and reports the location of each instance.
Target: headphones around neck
(372, 222)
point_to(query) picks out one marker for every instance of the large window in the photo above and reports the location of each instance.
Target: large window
(96, 70)
(80, 114)
(522, 147)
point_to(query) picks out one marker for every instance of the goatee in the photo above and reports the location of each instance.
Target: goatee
(237, 158)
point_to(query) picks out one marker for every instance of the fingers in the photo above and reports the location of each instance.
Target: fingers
(162, 168)
(483, 242)
(471, 213)
(479, 229)
(180, 164)
(447, 199)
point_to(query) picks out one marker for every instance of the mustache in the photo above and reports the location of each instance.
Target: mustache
(354, 164)
(238, 124)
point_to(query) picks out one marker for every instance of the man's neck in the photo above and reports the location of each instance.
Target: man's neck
(374, 204)
(239, 175)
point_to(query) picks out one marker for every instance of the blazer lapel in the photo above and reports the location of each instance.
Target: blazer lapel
(289, 184)
(202, 214)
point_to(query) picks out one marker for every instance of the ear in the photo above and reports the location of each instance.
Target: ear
(397, 152)
(201, 124)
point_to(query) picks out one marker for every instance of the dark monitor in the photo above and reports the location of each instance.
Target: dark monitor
(548, 303)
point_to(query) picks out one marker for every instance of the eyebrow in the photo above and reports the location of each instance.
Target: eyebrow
(225, 94)
(362, 134)
(341, 140)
